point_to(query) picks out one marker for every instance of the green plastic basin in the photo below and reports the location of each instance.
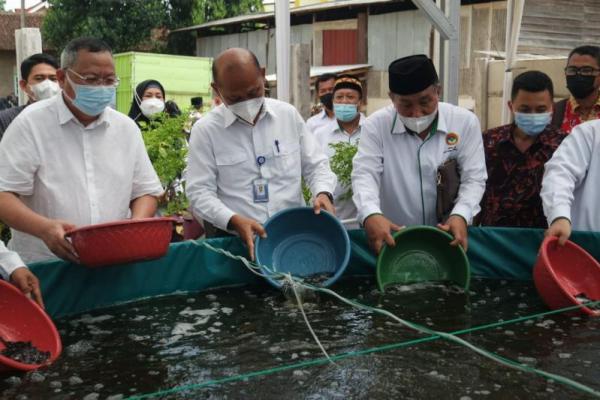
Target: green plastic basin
(422, 254)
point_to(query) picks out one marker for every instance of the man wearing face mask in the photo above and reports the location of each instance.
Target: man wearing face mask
(248, 156)
(516, 153)
(583, 81)
(347, 98)
(324, 88)
(394, 179)
(71, 161)
(38, 73)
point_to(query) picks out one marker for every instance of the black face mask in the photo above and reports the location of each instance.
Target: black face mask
(327, 101)
(580, 86)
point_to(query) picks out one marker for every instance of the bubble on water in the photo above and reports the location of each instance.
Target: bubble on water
(294, 356)
(37, 377)
(483, 392)
(153, 373)
(211, 297)
(274, 349)
(564, 355)
(139, 318)
(89, 320)
(218, 323)
(213, 330)
(227, 310)
(92, 396)
(184, 329)
(526, 360)
(215, 304)
(522, 305)
(546, 324)
(79, 348)
(21, 397)
(98, 386)
(557, 342)
(13, 380)
(188, 311)
(190, 300)
(115, 397)
(138, 338)
(55, 384)
(509, 333)
(75, 380)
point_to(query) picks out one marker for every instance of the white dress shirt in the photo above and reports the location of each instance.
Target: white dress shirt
(333, 133)
(63, 170)
(570, 187)
(395, 171)
(222, 163)
(319, 120)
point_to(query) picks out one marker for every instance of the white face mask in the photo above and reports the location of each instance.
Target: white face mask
(44, 90)
(247, 110)
(418, 124)
(152, 106)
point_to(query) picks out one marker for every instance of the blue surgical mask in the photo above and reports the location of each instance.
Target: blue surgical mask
(91, 100)
(533, 124)
(345, 112)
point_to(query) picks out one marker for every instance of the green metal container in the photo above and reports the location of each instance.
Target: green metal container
(422, 254)
(183, 77)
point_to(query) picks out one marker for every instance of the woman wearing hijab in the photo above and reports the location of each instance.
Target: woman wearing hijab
(149, 101)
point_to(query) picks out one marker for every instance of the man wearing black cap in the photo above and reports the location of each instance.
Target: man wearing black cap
(395, 171)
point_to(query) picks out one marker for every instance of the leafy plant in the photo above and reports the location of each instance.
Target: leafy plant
(166, 145)
(341, 164)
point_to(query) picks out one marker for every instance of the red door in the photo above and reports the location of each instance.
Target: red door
(339, 47)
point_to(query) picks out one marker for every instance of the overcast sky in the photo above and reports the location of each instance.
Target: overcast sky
(12, 4)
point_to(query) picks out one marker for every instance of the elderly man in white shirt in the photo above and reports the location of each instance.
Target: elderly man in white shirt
(70, 161)
(347, 98)
(570, 187)
(326, 117)
(394, 178)
(247, 156)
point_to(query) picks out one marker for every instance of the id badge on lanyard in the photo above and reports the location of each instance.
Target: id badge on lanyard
(260, 186)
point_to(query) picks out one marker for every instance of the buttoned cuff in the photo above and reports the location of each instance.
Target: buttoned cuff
(559, 211)
(9, 262)
(222, 218)
(322, 187)
(367, 211)
(463, 211)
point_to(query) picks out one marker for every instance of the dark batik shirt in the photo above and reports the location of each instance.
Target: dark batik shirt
(7, 116)
(512, 192)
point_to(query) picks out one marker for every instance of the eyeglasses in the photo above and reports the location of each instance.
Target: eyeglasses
(92, 80)
(583, 71)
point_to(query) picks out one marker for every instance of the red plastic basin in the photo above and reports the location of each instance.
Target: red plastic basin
(122, 241)
(563, 273)
(22, 320)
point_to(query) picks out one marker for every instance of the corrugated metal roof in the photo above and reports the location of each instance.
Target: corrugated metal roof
(554, 27)
(264, 16)
(328, 69)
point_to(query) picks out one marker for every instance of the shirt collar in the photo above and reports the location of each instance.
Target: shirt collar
(335, 128)
(230, 117)
(575, 105)
(65, 115)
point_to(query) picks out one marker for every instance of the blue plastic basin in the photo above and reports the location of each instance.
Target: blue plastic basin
(303, 243)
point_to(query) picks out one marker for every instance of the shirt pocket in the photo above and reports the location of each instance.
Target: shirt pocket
(287, 159)
(231, 168)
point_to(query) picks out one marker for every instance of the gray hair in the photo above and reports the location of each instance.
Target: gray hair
(68, 57)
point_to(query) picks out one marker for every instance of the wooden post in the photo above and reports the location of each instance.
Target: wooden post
(300, 78)
(362, 55)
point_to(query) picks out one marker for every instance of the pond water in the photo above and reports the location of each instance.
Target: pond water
(187, 339)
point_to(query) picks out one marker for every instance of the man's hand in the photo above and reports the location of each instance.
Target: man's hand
(53, 235)
(322, 202)
(379, 230)
(27, 283)
(247, 228)
(457, 226)
(561, 228)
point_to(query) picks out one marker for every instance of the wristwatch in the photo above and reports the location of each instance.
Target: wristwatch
(329, 196)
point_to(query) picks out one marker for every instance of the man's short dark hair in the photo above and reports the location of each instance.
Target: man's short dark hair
(323, 78)
(254, 58)
(588, 50)
(532, 81)
(39, 58)
(68, 58)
